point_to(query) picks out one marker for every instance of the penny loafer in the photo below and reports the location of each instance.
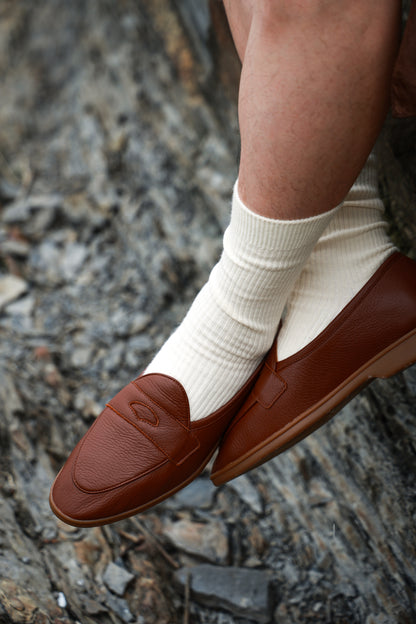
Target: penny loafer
(141, 449)
(374, 336)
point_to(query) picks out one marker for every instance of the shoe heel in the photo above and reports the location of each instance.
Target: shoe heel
(397, 358)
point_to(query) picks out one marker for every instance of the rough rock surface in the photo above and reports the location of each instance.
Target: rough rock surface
(118, 148)
(242, 591)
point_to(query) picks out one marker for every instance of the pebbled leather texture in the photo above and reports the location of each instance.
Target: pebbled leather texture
(141, 449)
(374, 336)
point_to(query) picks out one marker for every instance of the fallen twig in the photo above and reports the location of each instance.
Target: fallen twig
(154, 542)
(187, 599)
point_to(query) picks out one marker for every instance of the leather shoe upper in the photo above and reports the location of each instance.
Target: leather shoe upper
(294, 396)
(142, 448)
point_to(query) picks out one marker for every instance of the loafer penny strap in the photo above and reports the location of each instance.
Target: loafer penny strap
(166, 432)
(269, 387)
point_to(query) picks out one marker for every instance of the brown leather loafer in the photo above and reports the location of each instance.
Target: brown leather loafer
(140, 450)
(374, 336)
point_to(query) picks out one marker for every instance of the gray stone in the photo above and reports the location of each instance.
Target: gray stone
(139, 322)
(72, 260)
(136, 347)
(22, 307)
(8, 191)
(120, 321)
(198, 495)
(291, 572)
(85, 403)
(142, 342)
(61, 600)
(378, 619)
(16, 248)
(247, 492)
(45, 262)
(11, 288)
(117, 578)
(81, 356)
(9, 397)
(315, 577)
(42, 206)
(242, 591)
(120, 607)
(206, 540)
(18, 212)
(113, 357)
(346, 589)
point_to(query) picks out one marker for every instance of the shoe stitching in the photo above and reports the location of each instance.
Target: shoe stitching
(161, 406)
(151, 439)
(253, 399)
(143, 507)
(187, 430)
(119, 485)
(112, 487)
(283, 388)
(137, 417)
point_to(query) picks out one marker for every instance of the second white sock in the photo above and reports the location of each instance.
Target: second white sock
(348, 253)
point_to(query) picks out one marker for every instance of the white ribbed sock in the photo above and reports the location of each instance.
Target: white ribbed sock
(348, 253)
(233, 320)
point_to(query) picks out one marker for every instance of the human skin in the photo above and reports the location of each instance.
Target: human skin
(314, 92)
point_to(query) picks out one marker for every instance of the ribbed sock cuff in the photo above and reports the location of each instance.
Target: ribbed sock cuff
(261, 235)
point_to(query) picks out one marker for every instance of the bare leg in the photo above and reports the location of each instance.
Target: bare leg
(314, 93)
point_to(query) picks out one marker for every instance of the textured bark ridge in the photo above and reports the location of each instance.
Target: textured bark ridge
(118, 151)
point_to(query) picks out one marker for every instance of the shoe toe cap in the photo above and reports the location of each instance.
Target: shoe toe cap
(112, 454)
(107, 472)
